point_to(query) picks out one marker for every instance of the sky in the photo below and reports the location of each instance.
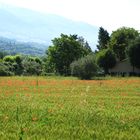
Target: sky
(110, 14)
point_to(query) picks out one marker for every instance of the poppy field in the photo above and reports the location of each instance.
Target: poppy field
(43, 108)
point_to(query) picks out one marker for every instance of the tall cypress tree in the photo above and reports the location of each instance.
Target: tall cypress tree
(103, 38)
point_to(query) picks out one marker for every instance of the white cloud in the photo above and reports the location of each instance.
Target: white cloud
(110, 14)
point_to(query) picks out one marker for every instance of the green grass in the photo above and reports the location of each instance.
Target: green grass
(58, 108)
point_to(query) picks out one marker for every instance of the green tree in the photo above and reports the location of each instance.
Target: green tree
(9, 62)
(18, 65)
(84, 43)
(32, 66)
(64, 51)
(120, 40)
(4, 69)
(84, 68)
(134, 53)
(9, 58)
(103, 38)
(14, 63)
(106, 59)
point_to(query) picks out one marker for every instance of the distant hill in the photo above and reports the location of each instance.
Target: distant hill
(31, 26)
(27, 48)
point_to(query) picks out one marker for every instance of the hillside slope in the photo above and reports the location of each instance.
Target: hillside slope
(15, 47)
(27, 25)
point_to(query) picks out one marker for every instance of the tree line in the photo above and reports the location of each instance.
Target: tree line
(120, 45)
(72, 55)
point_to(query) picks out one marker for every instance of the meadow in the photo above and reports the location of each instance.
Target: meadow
(57, 108)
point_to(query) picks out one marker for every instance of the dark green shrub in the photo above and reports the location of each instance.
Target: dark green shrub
(133, 52)
(4, 70)
(31, 67)
(84, 68)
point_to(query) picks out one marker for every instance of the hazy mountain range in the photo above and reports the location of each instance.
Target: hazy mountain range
(31, 26)
(11, 46)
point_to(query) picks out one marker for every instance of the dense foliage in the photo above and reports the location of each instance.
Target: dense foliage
(120, 40)
(84, 68)
(20, 65)
(5, 69)
(32, 66)
(106, 59)
(68, 55)
(64, 51)
(103, 39)
(134, 53)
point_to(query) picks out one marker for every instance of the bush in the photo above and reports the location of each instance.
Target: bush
(31, 67)
(84, 68)
(9, 58)
(4, 70)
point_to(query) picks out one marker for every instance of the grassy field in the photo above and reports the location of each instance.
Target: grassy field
(44, 108)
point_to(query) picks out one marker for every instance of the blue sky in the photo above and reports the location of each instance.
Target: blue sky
(111, 14)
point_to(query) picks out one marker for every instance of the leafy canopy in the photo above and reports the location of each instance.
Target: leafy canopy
(120, 40)
(64, 51)
(106, 59)
(134, 53)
